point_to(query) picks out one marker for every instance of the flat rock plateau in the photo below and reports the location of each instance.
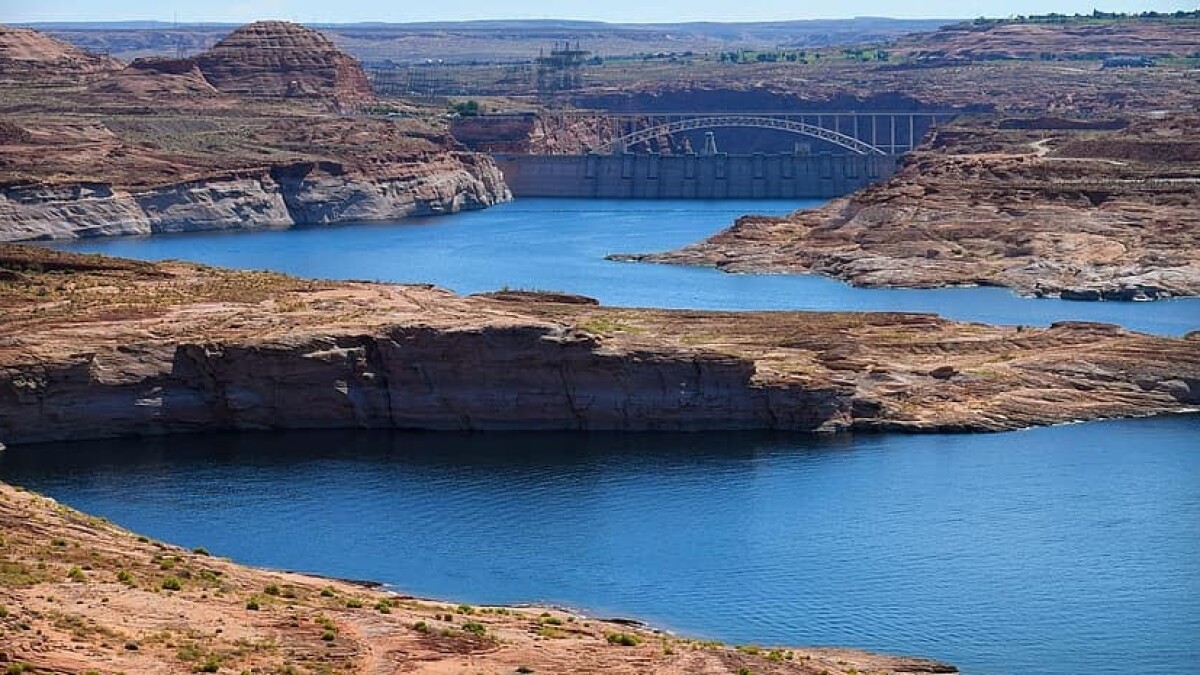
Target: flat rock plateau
(94, 346)
(80, 595)
(255, 132)
(1082, 209)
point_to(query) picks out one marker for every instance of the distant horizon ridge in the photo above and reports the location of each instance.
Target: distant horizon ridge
(158, 23)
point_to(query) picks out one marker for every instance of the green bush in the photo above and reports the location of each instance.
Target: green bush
(466, 108)
(623, 639)
(172, 584)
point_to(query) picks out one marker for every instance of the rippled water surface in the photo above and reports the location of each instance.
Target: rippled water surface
(557, 244)
(1057, 551)
(1061, 551)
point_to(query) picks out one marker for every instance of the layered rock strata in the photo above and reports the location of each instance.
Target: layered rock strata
(97, 347)
(161, 149)
(1042, 207)
(305, 193)
(278, 58)
(154, 78)
(36, 59)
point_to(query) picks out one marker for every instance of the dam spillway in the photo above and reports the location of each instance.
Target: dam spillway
(693, 176)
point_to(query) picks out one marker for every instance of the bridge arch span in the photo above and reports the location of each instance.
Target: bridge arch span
(746, 121)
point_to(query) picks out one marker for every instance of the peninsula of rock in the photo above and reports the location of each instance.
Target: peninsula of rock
(94, 347)
(1082, 209)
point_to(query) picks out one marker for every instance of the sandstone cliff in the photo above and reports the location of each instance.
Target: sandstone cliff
(154, 78)
(102, 347)
(1046, 207)
(35, 59)
(295, 194)
(160, 149)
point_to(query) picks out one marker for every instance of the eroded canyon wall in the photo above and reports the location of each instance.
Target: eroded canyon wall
(300, 194)
(490, 378)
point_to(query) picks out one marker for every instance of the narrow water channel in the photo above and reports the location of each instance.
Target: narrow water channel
(559, 244)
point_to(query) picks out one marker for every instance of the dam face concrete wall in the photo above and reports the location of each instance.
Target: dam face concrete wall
(720, 176)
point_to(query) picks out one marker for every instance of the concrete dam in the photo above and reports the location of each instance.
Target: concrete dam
(692, 176)
(651, 156)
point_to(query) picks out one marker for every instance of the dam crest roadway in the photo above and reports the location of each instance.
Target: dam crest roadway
(855, 149)
(861, 132)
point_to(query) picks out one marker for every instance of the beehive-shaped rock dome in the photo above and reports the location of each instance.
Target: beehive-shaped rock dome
(278, 58)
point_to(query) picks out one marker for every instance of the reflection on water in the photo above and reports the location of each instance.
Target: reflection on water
(1064, 550)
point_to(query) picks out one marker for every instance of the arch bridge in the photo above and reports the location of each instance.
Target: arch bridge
(746, 122)
(858, 132)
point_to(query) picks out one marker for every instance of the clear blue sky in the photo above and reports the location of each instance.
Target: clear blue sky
(340, 11)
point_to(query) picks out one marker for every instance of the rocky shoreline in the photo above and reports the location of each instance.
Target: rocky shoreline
(265, 129)
(99, 347)
(79, 594)
(1045, 207)
(281, 196)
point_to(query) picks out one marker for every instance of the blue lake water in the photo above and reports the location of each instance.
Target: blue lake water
(557, 244)
(1055, 551)
(1059, 551)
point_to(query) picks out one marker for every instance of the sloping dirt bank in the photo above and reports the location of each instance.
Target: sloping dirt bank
(79, 595)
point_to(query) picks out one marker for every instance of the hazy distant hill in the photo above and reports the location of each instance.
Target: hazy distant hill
(499, 39)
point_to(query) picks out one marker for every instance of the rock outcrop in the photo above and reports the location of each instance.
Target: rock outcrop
(278, 58)
(155, 78)
(163, 150)
(306, 193)
(1087, 214)
(35, 59)
(182, 348)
